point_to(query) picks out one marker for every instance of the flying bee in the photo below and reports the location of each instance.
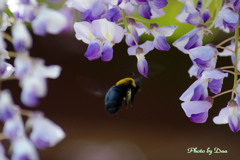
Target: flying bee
(124, 91)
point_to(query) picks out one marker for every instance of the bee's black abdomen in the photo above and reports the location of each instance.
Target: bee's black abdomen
(114, 98)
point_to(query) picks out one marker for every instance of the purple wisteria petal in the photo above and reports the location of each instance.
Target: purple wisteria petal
(167, 31)
(155, 11)
(6, 69)
(81, 5)
(197, 111)
(222, 117)
(145, 11)
(7, 107)
(49, 21)
(129, 39)
(191, 40)
(160, 3)
(107, 51)
(45, 133)
(203, 55)
(84, 31)
(96, 12)
(194, 19)
(236, 4)
(234, 116)
(114, 14)
(142, 65)
(5, 23)
(199, 93)
(146, 47)
(14, 128)
(142, 2)
(108, 30)
(22, 65)
(160, 43)
(127, 5)
(188, 94)
(22, 39)
(94, 50)
(23, 149)
(227, 20)
(214, 74)
(215, 85)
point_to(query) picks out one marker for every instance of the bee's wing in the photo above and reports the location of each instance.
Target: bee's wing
(128, 97)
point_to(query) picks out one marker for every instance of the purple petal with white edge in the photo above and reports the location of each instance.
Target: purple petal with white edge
(142, 65)
(142, 2)
(81, 5)
(147, 46)
(238, 66)
(29, 98)
(7, 107)
(45, 133)
(129, 39)
(236, 4)
(108, 30)
(215, 85)
(205, 53)
(188, 94)
(199, 93)
(6, 69)
(52, 71)
(145, 11)
(229, 16)
(14, 128)
(222, 117)
(194, 19)
(97, 11)
(22, 39)
(160, 3)
(193, 70)
(202, 64)
(160, 43)
(206, 15)
(23, 149)
(107, 51)
(214, 74)
(5, 23)
(84, 31)
(199, 118)
(197, 110)
(233, 116)
(94, 50)
(114, 14)
(54, 21)
(132, 50)
(155, 11)
(226, 52)
(140, 28)
(128, 6)
(182, 16)
(167, 30)
(22, 65)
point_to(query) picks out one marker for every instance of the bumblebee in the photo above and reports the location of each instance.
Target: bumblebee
(124, 91)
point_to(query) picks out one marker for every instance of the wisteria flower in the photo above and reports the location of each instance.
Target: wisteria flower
(5, 23)
(189, 13)
(49, 21)
(7, 107)
(23, 9)
(140, 53)
(196, 101)
(151, 8)
(22, 40)
(230, 115)
(23, 149)
(136, 29)
(205, 15)
(101, 35)
(14, 128)
(227, 19)
(45, 133)
(192, 39)
(33, 75)
(160, 34)
(91, 9)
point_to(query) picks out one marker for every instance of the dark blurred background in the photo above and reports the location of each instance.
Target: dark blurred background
(154, 128)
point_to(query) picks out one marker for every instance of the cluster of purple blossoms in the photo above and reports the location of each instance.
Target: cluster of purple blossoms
(32, 74)
(106, 22)
(196, 99)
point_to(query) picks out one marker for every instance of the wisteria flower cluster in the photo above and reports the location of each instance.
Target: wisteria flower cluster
(17, 17)
(105, 23)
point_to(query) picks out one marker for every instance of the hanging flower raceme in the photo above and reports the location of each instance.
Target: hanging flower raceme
(101, 35)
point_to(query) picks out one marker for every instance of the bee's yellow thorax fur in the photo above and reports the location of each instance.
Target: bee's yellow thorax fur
(127, 81)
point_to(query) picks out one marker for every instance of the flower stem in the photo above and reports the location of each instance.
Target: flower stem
(229, 72)
(222, 93)
(225, 41)
(138, 19)
(125, 23)
(235, 60)
(227, 67)
(225, 48)
(26, 113)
